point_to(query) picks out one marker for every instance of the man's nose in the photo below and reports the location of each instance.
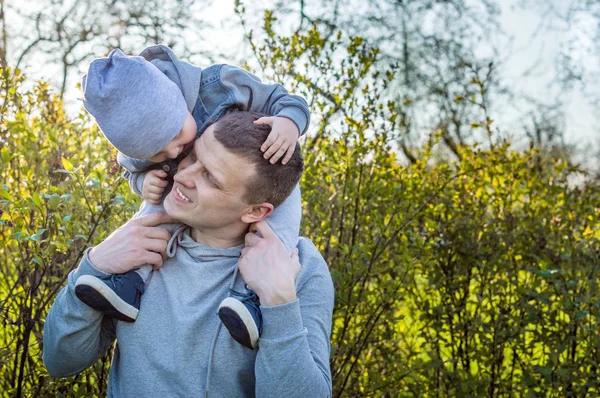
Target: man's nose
(185, 163)
(185, 172)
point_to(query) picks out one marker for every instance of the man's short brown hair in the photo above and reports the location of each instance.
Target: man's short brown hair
(272, 183)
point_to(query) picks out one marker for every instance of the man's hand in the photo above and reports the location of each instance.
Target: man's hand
(267, 267)
(281, 140)
(134, 244)
(154, 185)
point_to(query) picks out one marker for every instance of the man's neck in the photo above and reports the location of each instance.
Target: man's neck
(222, 238)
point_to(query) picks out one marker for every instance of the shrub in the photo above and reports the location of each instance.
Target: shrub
(60, 194)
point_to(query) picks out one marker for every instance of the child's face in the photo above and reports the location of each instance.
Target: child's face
(178, 143)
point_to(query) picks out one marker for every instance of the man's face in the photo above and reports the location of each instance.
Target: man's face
(209, 186)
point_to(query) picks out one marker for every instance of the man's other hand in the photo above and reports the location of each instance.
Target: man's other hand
(134, 244)
(267, 267)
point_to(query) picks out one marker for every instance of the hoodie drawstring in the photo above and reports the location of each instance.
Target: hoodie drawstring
(214, 342)
(171, 246)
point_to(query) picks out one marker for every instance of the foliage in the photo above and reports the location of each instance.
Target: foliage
(470, 278)
(59, 194)
(474, 278)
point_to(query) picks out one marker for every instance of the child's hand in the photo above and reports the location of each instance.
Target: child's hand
(154, 185)
(281, 140)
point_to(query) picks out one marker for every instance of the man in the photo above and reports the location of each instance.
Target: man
(177, 346)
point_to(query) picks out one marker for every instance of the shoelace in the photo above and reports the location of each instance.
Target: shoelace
(117, 279)
(248, 297)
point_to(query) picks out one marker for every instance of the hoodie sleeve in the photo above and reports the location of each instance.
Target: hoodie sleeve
(294, 348)
(136, 181)
(135, 171)
(75, 335)
(251, 95)
(286, 218)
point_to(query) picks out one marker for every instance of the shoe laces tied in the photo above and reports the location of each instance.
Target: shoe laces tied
(118, 280)
(247, 297)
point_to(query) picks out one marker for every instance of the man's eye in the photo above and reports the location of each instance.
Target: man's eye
(210, 181)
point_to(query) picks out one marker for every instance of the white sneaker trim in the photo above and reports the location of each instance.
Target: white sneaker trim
(120, 305)
(239, 308)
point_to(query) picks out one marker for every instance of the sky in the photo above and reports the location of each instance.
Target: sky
(539, 52)
(528, 51)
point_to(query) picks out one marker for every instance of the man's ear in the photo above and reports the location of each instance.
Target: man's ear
(257, 213)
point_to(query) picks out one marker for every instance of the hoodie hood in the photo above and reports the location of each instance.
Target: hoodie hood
(182, 237)
(185, 75)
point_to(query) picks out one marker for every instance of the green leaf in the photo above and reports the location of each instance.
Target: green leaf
(67, 165)
(38, 235)
(37, 199)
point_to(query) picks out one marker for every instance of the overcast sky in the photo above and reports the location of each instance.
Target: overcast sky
(540, 52)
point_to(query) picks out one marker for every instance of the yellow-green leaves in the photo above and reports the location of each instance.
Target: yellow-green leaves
(50, 212)
(67, 164)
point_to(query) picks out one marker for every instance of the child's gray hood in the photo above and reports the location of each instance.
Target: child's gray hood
(184, 74)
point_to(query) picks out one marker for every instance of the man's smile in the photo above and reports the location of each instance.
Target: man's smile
(181, 196)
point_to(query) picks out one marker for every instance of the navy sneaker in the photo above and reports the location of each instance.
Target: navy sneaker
(117, 295)
(242, 317)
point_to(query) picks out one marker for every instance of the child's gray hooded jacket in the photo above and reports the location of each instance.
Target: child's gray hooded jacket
(211, 93)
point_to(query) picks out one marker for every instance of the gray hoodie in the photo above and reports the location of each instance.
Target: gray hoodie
(177, 346)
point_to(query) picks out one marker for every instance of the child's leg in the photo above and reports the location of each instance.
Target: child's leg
(144, 272)
(240, 313)
(117, 295)
(285, 219)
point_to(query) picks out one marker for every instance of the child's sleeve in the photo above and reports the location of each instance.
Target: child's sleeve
(252, 95)
(135, 171)
(285, 220)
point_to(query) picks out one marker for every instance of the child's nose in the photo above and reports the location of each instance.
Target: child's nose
(173, 153)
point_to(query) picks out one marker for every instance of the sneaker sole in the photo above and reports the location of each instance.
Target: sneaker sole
(241, 324)
(96, 294)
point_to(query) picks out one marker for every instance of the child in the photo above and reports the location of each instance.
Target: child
(151, 108)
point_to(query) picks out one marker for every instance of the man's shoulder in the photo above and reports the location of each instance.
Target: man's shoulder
(308, 249)
(311, 260)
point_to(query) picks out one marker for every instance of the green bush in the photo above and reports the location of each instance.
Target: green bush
(60, 194)
(473, 279)
(477, 277)
(469, 278)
